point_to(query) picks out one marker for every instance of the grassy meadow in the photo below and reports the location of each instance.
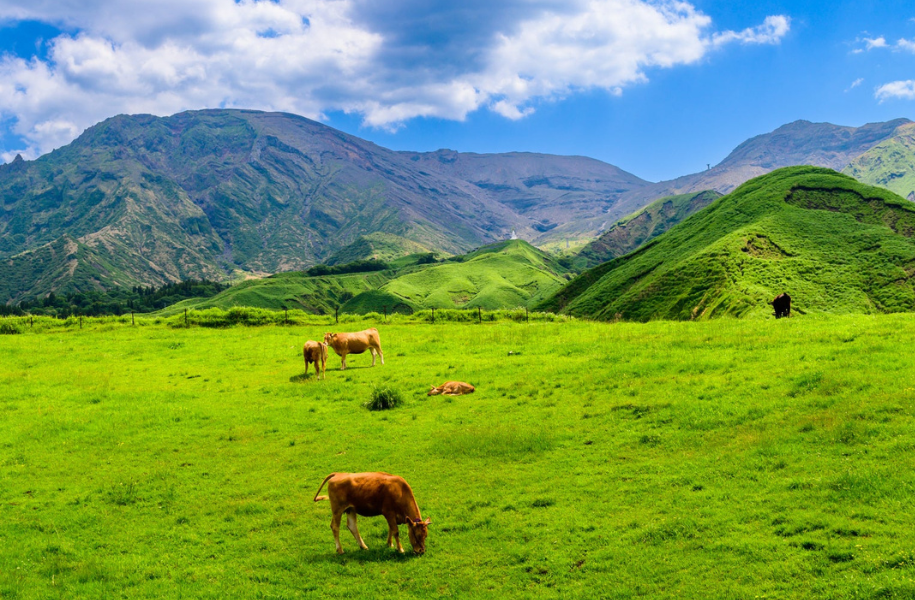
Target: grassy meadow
(720, 459)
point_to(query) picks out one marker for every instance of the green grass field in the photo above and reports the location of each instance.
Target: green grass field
(719, 459)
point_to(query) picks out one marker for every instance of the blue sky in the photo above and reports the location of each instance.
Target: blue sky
(657, 88)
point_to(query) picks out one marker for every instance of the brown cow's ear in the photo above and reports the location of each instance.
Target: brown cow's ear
(427, 521)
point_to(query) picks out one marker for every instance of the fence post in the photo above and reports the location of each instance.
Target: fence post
(337, 315)
(30, 321)
(433, 314)
(81, 321)
(285, 316)
(527, 317)
(385, 314)
(132, 322)
(480, 315)
(185, 317)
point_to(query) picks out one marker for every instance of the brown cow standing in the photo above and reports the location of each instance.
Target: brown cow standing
(452, 388)
(371, 495)
(782, 306)
(355, 343)
(315, 352)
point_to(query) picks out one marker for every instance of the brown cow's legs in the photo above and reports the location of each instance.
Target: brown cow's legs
(393, 533)
(351, 524)
(335, 527)
(378, 354)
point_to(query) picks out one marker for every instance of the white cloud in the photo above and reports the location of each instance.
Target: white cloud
(903, 90)
(773, 29)
(871, 43)
(855, 84)
(314, 56)
(907, 45)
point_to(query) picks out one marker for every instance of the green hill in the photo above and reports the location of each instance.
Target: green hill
(629, 233)
(834, 244)
(378, 246)
(318, 295)
(889, 164)
(502, 275)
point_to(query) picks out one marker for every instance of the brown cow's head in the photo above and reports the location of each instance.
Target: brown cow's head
(418, 532)
(435, 391)
(329, 338)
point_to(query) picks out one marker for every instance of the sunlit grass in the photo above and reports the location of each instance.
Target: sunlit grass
(724, 459)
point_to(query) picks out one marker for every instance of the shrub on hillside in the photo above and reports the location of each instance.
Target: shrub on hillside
(9, 329)
(384, 398)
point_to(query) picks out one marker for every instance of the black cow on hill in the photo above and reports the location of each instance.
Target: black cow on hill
(782, 306)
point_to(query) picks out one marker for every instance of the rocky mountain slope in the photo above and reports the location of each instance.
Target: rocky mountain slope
(211, 193)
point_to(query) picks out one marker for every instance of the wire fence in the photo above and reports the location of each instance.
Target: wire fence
(249, 316)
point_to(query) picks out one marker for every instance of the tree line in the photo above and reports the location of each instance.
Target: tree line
(116, 301)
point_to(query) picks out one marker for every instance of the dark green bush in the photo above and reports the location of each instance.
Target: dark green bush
(384, 398)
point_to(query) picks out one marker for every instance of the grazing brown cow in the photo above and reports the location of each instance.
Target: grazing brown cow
(370, 495)
(782, 306)
(355, 343)
(316, 352)
(452, 388)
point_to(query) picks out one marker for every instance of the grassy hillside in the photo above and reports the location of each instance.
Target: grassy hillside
(290, 290)
(626, 235)
(889, 164)
(713, 461)
(502, 275)
(835, 245)
(379, 246)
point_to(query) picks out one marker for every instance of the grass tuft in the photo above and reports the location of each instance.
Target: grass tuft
(384, 398)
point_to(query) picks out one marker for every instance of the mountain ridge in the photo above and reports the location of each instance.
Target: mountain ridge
(797, 143)
(203, 194)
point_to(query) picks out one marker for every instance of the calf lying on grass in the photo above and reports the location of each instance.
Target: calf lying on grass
(370, 495)
(452, 388)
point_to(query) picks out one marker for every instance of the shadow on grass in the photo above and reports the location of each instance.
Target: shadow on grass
(303, 378)
(372, 555)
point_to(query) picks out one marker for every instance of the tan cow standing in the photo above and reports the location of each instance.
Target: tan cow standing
(355, 343)
(371, 495)
(315, 352)
(452, 388)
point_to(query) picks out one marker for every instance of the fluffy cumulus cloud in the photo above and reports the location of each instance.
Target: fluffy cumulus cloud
(387, 61)
(903, 90)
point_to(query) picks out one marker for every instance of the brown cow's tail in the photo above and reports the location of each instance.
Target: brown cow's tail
(319, 498)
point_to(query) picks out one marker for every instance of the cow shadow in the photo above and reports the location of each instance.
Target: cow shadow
(372, 555)
(303, 378)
